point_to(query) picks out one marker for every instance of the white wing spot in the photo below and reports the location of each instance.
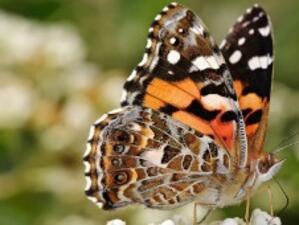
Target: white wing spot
(260, 62)
(99, 204)
(151, 29)
(241, 41)
(172, 40)
(123, 96)
(156, 58)
(240, 19)
(135, 127)
(87, 167)
(93, 199)
(158, 17)
(256, 5)
(165, 9)
(255, 18)
(88, 183)
(214, 102)
(154, 156)
(223, 43)
(248, 10)
(265, 31)
(251, 31)
(173, 56)
(254, 63)
(181, 30)
(144, 59)
(115, 111)
(245, 24)
(103, 117)
(149, 43)
(235, 57)
(91, 132)
(132, 75)
(212, 61)
(87, 150)
(203, 63)
(170, 72)
(199, 30)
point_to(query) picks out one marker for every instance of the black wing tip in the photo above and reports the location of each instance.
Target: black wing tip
(255, 9)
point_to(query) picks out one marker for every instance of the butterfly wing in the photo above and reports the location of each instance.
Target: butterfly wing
(183, 74)
(139, 155)
(248, 51)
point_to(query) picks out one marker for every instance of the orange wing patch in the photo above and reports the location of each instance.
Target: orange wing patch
(194, 122)
(185, 103)
(169, 93)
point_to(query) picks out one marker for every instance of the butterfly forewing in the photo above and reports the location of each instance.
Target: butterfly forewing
(183, 74)
(248, 52)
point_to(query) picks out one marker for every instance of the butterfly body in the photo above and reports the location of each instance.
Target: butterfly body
(192, 122)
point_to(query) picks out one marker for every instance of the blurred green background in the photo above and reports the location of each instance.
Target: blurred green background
(63, 63)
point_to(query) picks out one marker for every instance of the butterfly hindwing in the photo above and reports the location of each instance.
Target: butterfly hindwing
(183, 74)
(248, 51)
(138, 155)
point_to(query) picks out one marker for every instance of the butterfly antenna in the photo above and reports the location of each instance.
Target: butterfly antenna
(284, 147)
(284, 194)
(285, 139)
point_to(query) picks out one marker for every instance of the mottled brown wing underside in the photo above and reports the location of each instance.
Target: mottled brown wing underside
(137, 155)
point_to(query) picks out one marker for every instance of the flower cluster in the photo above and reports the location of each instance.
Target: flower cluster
(258, 218)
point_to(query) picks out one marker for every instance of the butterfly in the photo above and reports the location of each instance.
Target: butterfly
(193, 118)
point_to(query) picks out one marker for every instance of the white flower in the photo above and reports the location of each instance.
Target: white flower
(16, 101)
(258, 217)
(112, 89)
(77, 112)
(116, 222)
(62, 46)
(23, 41)
(168, 222)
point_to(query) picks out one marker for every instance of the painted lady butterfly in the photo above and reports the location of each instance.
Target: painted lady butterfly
(193, 118)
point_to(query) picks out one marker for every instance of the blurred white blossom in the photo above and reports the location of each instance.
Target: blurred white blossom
(16, 101)
(258, 217)
(112, 89)
(30, 93)
(116, 222)
(23, 40)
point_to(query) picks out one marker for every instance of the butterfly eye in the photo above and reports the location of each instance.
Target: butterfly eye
(264, 166)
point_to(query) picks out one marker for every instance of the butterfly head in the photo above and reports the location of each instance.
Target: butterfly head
(267, 166)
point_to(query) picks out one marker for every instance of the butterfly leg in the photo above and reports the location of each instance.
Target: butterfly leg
(204, 217)
(207, 213)
(247, 211)
(270, 200)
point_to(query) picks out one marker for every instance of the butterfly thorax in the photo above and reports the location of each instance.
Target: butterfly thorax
(234, 187)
